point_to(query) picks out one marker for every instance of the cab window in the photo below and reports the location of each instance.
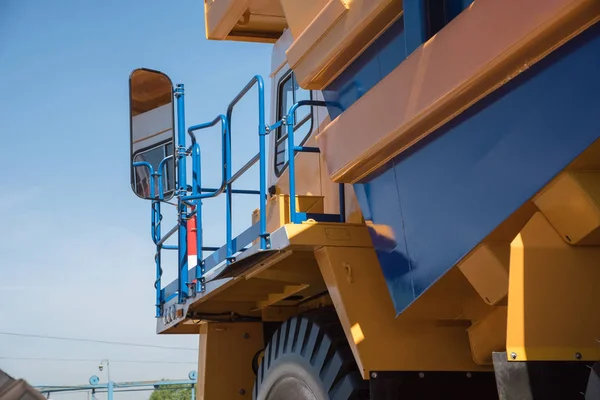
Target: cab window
(288, 94)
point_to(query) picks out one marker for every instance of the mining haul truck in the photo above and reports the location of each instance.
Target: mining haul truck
(428, 220)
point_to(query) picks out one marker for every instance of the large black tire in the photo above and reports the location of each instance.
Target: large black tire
(308, 358)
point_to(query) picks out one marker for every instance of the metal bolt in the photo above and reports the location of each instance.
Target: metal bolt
(242, 392)
(513, 355)
(246, 336)
(421, 375)
(578, 356)
(374, 375)
(468, 375)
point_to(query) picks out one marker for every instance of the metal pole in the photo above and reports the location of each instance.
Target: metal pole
(196, 190)
(182, 272)
(193, 392)
(262, 137)
(156, 231)
(228, 195)
(109, 393)
(105, 361)
(291, 165)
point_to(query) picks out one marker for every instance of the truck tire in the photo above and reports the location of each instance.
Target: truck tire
(308, 358)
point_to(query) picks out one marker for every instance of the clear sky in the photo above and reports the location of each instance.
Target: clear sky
(76, 258)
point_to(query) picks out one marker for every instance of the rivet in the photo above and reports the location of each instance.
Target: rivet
(513, 355)
(468, 375)
(374, 375)
(578, 356)
(246, 335)
(421, 375)
(242, 392)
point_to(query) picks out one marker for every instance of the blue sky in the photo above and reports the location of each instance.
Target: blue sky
(76, 257)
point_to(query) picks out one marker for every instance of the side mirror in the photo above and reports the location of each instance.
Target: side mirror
(152, 134)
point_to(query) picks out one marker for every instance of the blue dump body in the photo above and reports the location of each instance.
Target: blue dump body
(444, 195)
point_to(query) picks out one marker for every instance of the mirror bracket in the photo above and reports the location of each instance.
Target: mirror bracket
(179, 90)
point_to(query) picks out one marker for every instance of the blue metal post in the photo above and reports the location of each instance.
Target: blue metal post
(110, 390)
(196, 190)
(262, 134)
(228, 194)
(159, 174)
(182, 272)
(291, 164)
(156, 217)
(193, 392)
(156, 222)
(155, 226)
(157, 261)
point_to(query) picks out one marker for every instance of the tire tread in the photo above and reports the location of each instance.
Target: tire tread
(318, 337)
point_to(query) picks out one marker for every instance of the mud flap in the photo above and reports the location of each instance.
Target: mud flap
(532, 380)
(393, 385)
(593, 387)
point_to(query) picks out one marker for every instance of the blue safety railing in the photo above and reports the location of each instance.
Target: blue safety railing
(156, 218)
(233, 245)
(189, 198)
(288, 121)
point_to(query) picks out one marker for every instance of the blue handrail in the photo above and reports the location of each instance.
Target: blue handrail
(149, 166)
(155, 224)
(196, 166)
(262, 154)
(158, 173)
(197, 192)
(293, 149)
(227, 179)
(182, 270)
(192, 196)
(153, 195)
